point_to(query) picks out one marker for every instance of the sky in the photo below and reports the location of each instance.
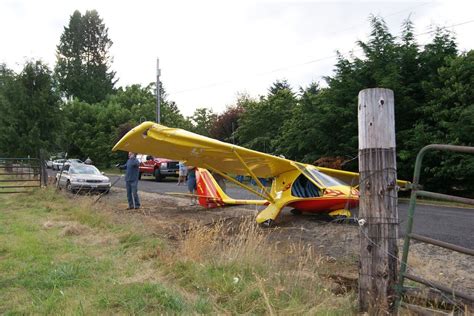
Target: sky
(212, 51)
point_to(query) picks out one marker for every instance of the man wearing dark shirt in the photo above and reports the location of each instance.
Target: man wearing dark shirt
(131, 181)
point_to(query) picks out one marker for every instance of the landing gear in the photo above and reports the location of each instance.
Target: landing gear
(296, 212)
(268, 223)
(341, 216)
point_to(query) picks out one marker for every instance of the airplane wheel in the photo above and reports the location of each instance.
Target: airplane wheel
(342, 219)
(339, 219)
(296, 212)
(268, 223)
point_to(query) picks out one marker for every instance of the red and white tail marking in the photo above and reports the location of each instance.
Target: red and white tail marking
(209, 192)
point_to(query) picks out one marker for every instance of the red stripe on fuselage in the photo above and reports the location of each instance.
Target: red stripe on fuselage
(317, 205)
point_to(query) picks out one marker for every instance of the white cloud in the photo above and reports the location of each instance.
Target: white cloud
(210, 50)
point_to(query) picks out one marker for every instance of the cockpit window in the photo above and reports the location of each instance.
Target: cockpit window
(304, 188)
(326, 180)
(317, 177)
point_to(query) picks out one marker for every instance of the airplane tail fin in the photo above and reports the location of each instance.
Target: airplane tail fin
(211, 195)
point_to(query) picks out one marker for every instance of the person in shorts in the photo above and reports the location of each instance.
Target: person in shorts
(183, 172)
(192, 184)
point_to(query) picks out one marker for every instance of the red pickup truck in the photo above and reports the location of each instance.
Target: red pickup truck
(160, 168)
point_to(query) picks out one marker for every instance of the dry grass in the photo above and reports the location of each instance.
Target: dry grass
(246, 272)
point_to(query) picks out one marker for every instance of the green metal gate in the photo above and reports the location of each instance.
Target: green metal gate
(416, 192)
(21, 175)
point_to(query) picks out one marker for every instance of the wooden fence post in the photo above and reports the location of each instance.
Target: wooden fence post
(378, 211)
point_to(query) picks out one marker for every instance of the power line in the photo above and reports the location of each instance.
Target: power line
(219, 83)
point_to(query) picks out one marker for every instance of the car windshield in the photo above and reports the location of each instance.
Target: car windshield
(326, 180)
(84, 169)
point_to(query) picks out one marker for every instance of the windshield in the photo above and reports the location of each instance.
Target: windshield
(326, 180)
(85, 169)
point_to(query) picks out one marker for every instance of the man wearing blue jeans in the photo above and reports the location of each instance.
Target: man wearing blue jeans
(131, 181)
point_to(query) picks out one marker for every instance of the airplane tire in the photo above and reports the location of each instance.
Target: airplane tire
(296, 212)
(342, 219)
(268, 223)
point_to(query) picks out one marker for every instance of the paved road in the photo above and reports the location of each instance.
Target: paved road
(450, 224)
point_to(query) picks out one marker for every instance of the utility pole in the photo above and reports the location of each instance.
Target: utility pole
(378, 213)
(158, 91)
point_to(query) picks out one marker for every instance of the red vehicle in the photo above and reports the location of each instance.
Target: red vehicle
(159, 168)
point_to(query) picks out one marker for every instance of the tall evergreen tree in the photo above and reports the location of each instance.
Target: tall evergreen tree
(83, 60)
(30, 119)
(261, 122)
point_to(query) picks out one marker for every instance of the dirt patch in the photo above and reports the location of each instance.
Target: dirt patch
(70, 228)
(74, 230)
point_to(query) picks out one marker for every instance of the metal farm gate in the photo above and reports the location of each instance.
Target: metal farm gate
(21, 175)
(417, 192)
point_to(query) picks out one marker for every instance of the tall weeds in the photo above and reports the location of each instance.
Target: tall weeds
(247, 271)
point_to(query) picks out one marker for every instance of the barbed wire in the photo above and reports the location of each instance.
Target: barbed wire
(364, 221)
(411, 268)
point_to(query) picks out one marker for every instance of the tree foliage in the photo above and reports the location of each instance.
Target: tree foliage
(262, 121)
(433, 86)
(226, 124)
(83, 60)
(29, 107)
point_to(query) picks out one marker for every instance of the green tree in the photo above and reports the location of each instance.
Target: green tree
(261, 122)
(202, 120)
(30, 119)
(300, 137)
(449, 119)
(83, 60)
(141, 101)
(8, 122)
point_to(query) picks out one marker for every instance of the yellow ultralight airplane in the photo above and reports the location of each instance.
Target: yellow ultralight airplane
(304, 187)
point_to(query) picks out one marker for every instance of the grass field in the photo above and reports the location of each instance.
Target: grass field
(64, 255)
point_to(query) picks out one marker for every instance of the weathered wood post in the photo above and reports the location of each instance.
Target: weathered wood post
(378, 211)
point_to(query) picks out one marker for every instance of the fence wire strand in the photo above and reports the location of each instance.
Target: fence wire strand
(399, 261)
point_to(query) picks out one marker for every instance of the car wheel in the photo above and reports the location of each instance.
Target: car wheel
(69, 186)
(158, 176)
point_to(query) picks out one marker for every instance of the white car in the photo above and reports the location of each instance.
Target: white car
(74, 160)
(82, 177)
(58, 164)
(49, 164)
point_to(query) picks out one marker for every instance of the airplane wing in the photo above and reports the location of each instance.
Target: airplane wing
(200, 151)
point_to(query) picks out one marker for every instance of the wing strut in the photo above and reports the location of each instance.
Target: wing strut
(238, 183)
(254, 177)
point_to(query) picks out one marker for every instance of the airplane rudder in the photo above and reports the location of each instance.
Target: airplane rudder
(206, 193)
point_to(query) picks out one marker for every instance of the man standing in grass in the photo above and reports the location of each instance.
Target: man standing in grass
(192, 184)
(131, 181)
